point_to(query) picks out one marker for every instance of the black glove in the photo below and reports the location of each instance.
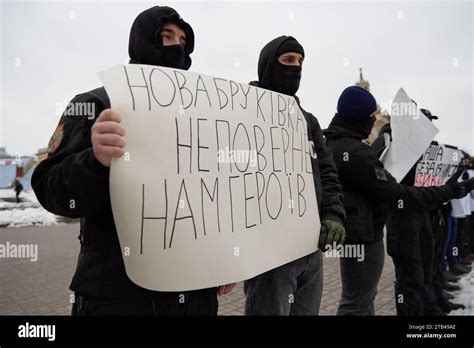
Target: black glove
(460, 189)
(454, 178)
(332, 233)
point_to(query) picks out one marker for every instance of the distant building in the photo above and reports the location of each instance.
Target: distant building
(12, 167)
(362, 83)
(7, 175)
(381, 118)
(3, 152)
(41, 154)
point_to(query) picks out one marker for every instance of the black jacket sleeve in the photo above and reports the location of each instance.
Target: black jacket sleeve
(70, 181)
(332, 196)
(376, 182)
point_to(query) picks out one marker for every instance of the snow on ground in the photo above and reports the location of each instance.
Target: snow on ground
(26, 213)
(465, 296)
(24, 195)
(26, 217)
(14, 205)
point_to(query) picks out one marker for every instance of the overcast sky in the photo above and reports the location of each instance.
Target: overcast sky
(51, 51)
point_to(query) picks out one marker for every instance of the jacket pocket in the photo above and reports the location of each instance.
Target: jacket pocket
(359, 218)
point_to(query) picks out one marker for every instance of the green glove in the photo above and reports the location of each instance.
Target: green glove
(331, 232)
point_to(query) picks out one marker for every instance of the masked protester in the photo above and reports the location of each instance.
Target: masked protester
(369, 190)
(74, 181)
(296, 288)
(415, 241)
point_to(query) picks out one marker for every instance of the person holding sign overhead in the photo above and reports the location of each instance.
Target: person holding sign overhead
(296, 287)
(369, 189)
(74, 181)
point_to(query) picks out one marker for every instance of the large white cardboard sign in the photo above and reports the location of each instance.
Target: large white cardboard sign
(412, 132)
(216, 183)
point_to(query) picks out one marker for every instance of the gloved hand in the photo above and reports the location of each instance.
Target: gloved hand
(331, 232)
(457, 174)
(460, 189)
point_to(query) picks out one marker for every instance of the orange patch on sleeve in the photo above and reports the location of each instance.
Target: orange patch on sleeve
(56, 139)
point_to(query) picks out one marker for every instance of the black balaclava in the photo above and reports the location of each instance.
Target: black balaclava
(146, 45)
(361, 127)
(272, 74)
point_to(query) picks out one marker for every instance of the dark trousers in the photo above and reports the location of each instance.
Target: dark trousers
(440, 233)
(360, 280)
(198, 302)
(292, 289)
(463, 242)
(410, 243)
(451, 251)
(471, 233)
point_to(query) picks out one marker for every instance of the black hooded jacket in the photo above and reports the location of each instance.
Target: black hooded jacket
(71, 182)
(369, 189)
(328, 188)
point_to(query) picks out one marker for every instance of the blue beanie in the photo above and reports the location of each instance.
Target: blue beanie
(356, 102)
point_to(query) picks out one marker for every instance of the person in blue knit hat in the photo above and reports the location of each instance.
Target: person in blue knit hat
(369, 190)
(356, 103)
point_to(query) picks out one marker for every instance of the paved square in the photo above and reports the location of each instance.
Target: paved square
(42, 287)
